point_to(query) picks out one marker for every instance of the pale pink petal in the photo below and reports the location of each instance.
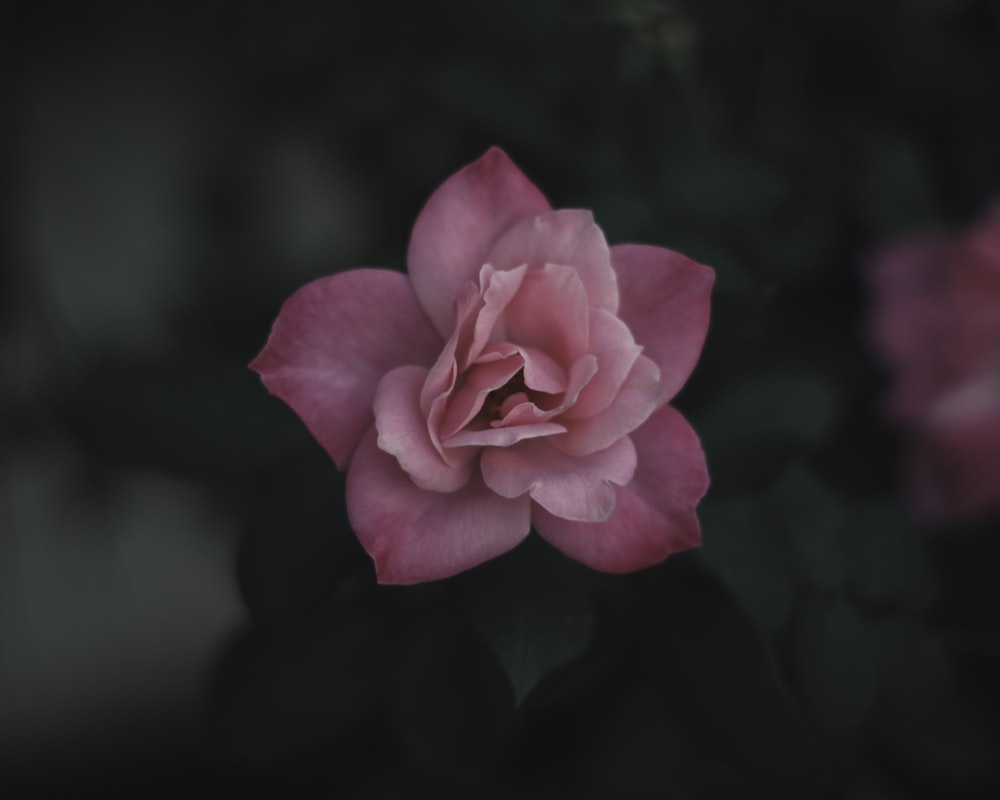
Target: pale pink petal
(519, 410)
(490, 327)
(497, 351)
(640, 396)
(502, 437)
(458, 226)
(541, 372)
(568, 237)
(455, 456)
(414, 535)
(580, 374)
(443, 374)
(612, 345)
(550, 313)
(665, 303)
(403, 432)
(436, 392)
(333, 341)
(655, 513)
(571, 488)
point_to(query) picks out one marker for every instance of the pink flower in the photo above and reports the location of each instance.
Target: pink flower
(936, 322)
(518, 376)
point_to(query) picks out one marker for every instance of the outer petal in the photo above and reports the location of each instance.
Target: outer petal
(459, 224)
(665, 302)
(655, 514)
(571, 488)
(403, 432)
(639, 396)
(333, 341)
(414, 535)
(569, 237)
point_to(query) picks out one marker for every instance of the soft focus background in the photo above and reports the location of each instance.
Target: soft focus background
(183, 608)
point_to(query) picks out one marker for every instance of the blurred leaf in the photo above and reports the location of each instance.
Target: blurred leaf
(287, 689)
(451, 704)
(796, 241)
(298, 545)
(533, 614)
(188, 414)
(886, 557)
(645, 750)
(112, 607)
(729, 188)
(872, 788)
(934, 9)
(791, 405)
(745, 546)
(814, 519)
(722, 678)
(751, 429)
(893, 191)
(923, 717)
(495, 102)
(836, 657)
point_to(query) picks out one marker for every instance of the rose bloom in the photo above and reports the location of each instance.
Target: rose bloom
(936, 321)
(518, 376)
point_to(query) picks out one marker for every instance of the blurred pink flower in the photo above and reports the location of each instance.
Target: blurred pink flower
(936, 322)
(519, 375)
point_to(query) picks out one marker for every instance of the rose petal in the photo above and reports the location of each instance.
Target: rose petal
(568, 237)
(910, 281)
(665, 303)
(443, 374)
(415, 535)
(569, 487)
(458, 226)
(655, 513)
(490, 327)
(611, 343)
(521, 412)
(541, 372)
(550, 313)
(403, 433)
(331, 344)
(639, 396)
(467, 401)
(503, 437)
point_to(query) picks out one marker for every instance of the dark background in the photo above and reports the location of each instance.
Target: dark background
(183, 608)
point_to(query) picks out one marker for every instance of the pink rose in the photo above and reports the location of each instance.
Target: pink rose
(518, 376)
(936, 321)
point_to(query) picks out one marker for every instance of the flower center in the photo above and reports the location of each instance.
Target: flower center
(499, 403)
(493, 406)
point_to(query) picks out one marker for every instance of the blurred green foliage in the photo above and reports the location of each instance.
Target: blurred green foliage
(172, 174)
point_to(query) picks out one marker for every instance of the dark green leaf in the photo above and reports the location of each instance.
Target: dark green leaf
(886, 557)
(837, 663)
(191, 415)
(298, 545)
(534, 613)
(745, 545)
(287, 689)
(813, 517)
(450, 703)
